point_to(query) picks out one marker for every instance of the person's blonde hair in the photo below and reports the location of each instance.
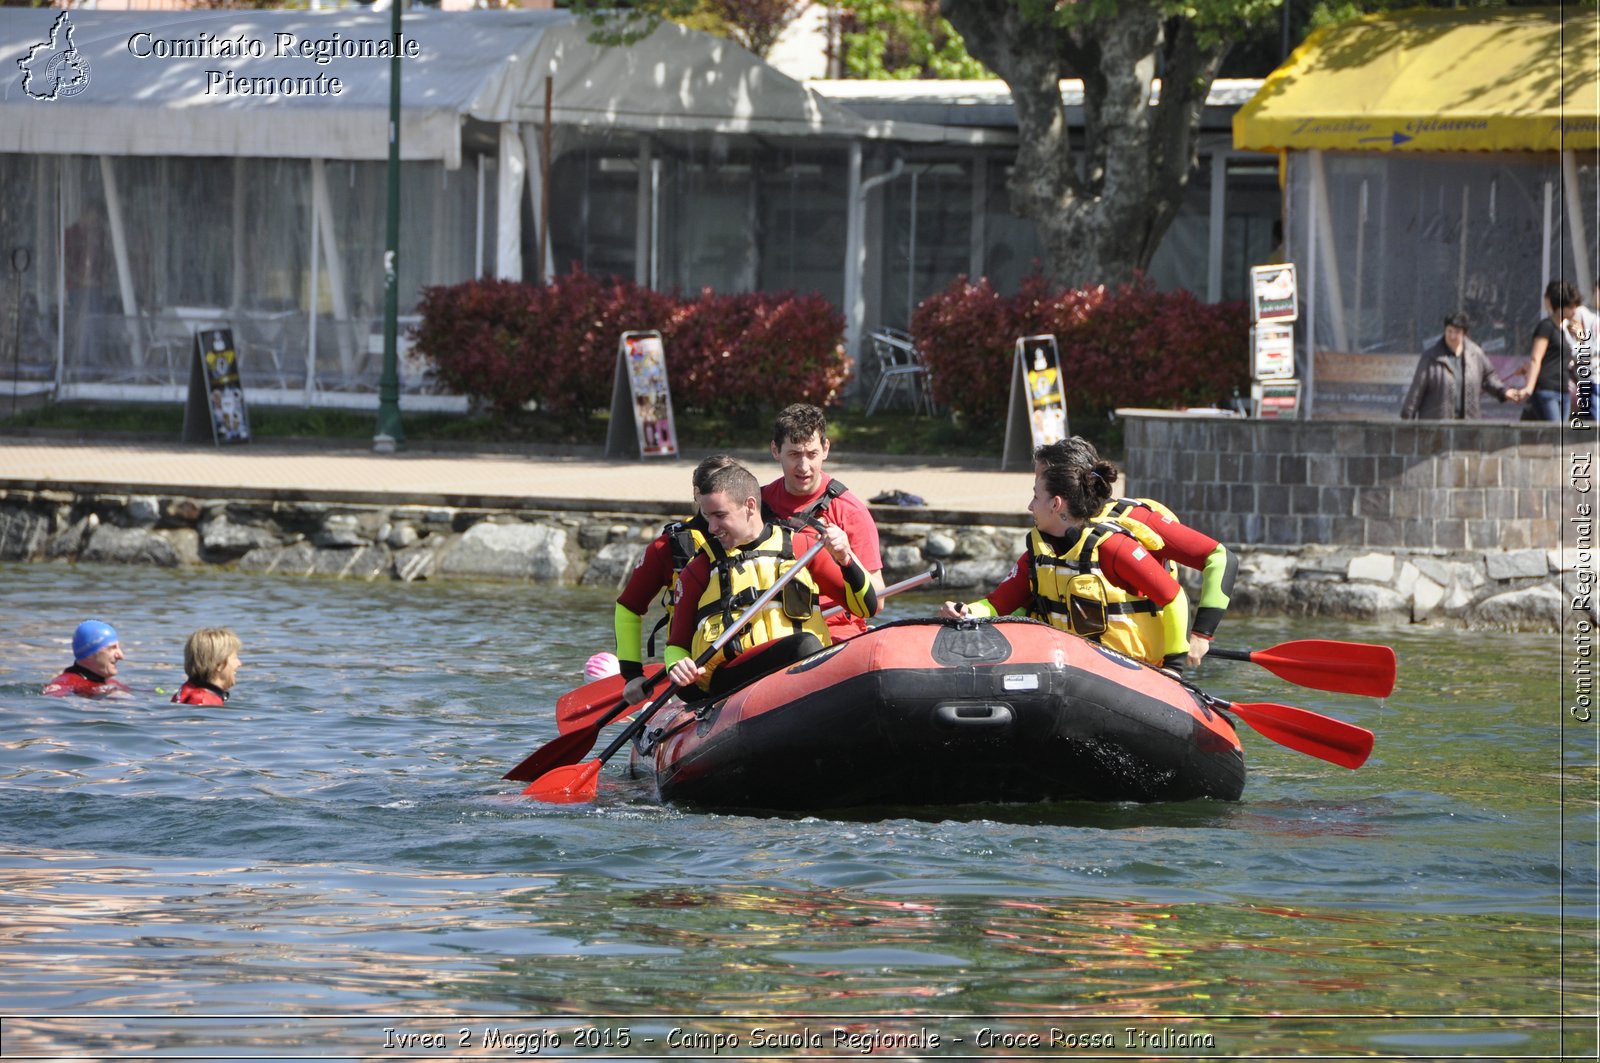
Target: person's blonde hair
(208, 650)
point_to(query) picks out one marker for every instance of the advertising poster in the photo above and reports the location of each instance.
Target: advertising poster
(216, 393)
(1272, 351)
(1273, 293)
(1038, 399)
(642, 363)
(1047, 397)
(1276, 399)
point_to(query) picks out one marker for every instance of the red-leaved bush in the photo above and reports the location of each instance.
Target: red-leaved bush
(506, 343)
(1127, 346)
(736, 354)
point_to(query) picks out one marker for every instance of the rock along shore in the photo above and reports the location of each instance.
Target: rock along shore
(1528, 589)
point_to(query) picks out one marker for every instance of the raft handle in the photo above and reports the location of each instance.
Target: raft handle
(975, 713)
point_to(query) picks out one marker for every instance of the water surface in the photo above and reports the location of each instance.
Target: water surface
(331, 865)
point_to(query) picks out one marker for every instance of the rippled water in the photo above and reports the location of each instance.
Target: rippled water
(331, 865)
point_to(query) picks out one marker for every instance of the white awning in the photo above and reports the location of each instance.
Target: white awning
(296, 84)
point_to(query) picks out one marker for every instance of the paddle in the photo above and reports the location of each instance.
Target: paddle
(576, 708)
(1322, 664)
(1302, 730)
(561, 779)
(909, 583)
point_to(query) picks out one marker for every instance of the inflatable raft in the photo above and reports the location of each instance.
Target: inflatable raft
(936, 712)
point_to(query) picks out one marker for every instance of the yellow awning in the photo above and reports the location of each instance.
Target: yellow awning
(1513, 79)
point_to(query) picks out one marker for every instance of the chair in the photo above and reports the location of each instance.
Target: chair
(900, 365)
(167, 346)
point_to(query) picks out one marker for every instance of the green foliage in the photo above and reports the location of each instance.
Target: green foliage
(894, 39)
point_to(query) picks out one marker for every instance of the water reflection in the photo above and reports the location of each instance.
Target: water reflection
(337, 841)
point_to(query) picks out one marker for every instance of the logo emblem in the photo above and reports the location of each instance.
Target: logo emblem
(55, 69)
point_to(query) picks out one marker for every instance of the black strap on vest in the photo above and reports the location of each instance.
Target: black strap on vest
(829, 493)
(680, 539)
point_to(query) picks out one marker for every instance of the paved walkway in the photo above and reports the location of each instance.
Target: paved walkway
(954, 493)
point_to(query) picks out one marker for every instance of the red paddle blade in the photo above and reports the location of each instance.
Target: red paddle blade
(1322, 664)
(582, 715)
(1308, 732)
(600, 692)
(588, 720)
(567, 749)
(572, 784)
(575, 706)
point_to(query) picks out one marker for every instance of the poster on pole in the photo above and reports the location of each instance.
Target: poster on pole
(641, 397)
(1271, 351)
(1038, 399)
(1273, 293)
(1275, 400)
(215, 409)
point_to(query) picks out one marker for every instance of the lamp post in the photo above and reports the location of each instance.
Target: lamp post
(389, 432)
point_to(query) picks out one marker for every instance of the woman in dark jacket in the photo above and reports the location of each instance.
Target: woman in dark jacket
(1451, 377)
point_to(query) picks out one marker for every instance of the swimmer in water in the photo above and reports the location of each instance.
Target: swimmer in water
(211, 658)
(96, 651)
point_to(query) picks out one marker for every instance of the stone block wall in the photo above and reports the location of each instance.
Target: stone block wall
(363, 541)
(1423, 485)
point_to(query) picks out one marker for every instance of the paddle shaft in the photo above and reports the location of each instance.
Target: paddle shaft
(909, 583)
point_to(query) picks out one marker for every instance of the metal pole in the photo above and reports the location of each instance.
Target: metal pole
(390, 434)
(544, 186)
(20, 259)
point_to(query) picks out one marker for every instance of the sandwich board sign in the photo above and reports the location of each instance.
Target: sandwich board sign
(640, 397)
(215, 409)
(1038, 399)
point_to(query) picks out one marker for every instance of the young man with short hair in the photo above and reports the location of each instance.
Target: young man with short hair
(800, 446)
(746, 555)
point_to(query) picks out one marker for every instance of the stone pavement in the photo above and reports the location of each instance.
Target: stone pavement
(963, 494)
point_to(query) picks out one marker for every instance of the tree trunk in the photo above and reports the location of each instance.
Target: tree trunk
(1101, 207)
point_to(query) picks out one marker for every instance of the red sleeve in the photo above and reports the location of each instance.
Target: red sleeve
(1180, 542)
(1015, 591)
(1133, 568)
(851, 514)
(692, 584)
(825, 570)
(649, 576)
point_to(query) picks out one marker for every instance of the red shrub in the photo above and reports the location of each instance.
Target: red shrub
(473, 333)
(506, 343)
(1132, 346)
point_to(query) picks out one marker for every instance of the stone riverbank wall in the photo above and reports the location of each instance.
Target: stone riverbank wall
(319, 538)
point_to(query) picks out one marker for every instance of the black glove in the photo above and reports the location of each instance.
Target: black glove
(630, 669)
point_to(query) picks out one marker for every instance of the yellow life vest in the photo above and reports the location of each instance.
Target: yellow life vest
(737, 580)
(1174, 616)
(1070, 592)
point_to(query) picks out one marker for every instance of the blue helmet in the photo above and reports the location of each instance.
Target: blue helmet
(91, 637)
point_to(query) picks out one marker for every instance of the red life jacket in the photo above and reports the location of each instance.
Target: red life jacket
(80, 682)
(194, 692)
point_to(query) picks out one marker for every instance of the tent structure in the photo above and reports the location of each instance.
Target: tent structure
(1434, 160)
(1513, 79)
(172, 169)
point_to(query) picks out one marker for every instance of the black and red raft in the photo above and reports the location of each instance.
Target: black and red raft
(938, 712)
